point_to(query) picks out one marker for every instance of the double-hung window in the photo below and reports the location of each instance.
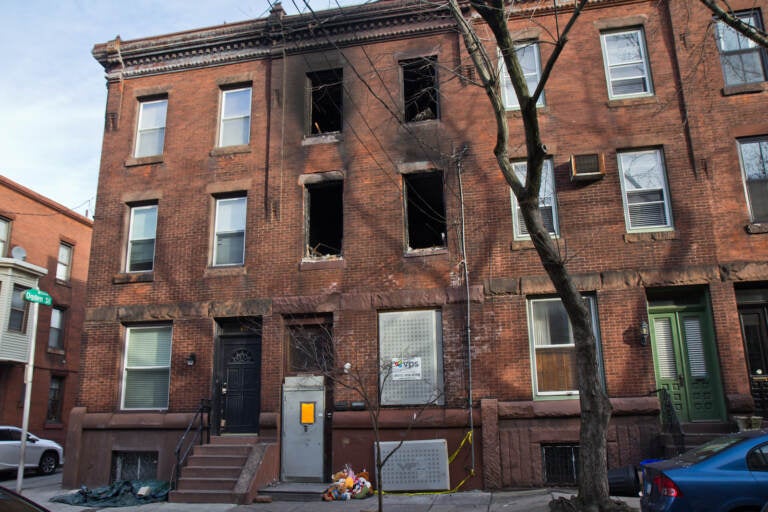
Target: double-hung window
(644, 186)
(753, 153)
(552, 346)
(530, 61)
(56, 332)
(141, 238)
(64, 262)
(17, 319)
(229, 239)
(54, 399)
(547, 200)
(5, 231)
(146, 373)
(626, 64)
(411, 355)
(235, 129)
(742, 60)
(150, 134)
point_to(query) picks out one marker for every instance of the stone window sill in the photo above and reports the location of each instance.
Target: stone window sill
(128, 278)
(732, 90)
(145, 160)
(319, 264)
(652, 236)
(323, 138)
(230, 150)
(757, 228)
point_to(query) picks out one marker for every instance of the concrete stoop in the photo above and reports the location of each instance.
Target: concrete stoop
(228, 470)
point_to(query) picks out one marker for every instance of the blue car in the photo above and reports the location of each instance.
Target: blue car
(727, 474)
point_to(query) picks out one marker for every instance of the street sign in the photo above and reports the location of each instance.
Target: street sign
(38, 296)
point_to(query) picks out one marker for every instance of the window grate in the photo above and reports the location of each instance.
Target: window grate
(134, 466)
(561, 463)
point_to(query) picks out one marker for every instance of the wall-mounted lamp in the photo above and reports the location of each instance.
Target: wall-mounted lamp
(644, 333)
(191, 359)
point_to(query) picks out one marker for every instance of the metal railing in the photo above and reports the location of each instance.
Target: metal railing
(670, 422)
(199, 425)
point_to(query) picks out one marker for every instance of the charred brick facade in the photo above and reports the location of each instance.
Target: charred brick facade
(688, 262)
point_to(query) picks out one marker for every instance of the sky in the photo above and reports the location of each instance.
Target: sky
(53, 92)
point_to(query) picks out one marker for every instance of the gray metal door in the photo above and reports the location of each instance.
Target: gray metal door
(303, 448)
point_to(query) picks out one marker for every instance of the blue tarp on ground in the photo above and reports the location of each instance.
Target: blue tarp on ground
(123, 493)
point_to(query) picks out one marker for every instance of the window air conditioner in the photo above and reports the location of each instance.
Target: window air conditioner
(587, 167)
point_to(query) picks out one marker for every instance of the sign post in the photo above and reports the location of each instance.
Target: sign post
(36, 297)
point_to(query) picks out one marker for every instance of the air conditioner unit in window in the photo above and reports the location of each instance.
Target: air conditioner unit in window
(587, 167)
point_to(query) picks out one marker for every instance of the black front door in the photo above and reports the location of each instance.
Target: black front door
(754, 331)
(239, 383)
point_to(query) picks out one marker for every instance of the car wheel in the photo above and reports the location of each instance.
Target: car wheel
(48, 463)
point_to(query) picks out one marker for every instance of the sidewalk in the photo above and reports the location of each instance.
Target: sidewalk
(42, 488)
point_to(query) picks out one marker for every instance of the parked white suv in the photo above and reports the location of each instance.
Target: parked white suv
(43, 454)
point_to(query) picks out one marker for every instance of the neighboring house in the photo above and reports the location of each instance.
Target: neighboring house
(43, 245)
(294, 181)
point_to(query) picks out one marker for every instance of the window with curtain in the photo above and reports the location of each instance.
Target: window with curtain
(56, 332)
(229, 243)
(547, 200)
(147, 367)
(644, 186)
(552, 346)
(64, 262)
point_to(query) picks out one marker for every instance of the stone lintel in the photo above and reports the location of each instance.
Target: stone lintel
(744, 271)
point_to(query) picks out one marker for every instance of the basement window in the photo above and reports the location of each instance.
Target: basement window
(425, 210)
(420, 91)
(561, 463)
(134, 466)
(325, 219)
(326, 93)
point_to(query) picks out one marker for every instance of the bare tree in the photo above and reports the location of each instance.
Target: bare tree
(595, 406)
(723, 12)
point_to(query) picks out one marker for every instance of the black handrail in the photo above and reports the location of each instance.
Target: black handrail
(203, 419)
(670, 422)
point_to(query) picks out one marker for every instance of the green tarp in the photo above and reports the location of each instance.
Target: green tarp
(123, 493)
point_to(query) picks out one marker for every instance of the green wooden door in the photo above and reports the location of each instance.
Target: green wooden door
(686, 364)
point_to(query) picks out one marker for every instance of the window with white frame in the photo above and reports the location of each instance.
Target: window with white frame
(235, 129)
(64, 262)
(229, 239)
(141, 238)
(147, 365)
(645, 190)
(5, 231)
(150, 132)
(17, 319)
(529, 57)
(547, 200)
(56, 332)
(553, 347)
(411, 355)
(626, 63)
(753, 153)
(743, 61)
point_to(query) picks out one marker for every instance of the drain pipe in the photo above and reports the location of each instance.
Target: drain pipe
(463, 250)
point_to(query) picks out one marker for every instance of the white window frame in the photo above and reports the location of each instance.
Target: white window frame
(235, 117)
(427, 387)
(152, 131)
(532, 76)
(232, 228)
(547, 198)
(533, 333)
(625, 164)
(761, 167)
(161, 364)
(745, 47)
(56, 329)
(18, 304)
(5, 232)
(610, 67)
(64, 262)
(133, 237)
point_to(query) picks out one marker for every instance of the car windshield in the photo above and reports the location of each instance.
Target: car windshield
(710, 448)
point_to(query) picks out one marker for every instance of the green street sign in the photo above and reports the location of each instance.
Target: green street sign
(39, 296)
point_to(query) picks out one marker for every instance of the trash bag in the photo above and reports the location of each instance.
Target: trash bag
(122, 493)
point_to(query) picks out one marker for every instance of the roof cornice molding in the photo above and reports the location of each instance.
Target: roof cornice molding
(274, 35)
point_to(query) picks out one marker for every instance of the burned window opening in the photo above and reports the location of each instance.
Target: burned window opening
(310, 346)
(425, 210)
(326, 96)
(420, 90)
(325, 219)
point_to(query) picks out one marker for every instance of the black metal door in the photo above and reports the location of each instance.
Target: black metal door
(754, 330)
(240, 383)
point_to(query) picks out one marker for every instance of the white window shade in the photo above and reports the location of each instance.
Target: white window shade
(147, 368)
(410, 345)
